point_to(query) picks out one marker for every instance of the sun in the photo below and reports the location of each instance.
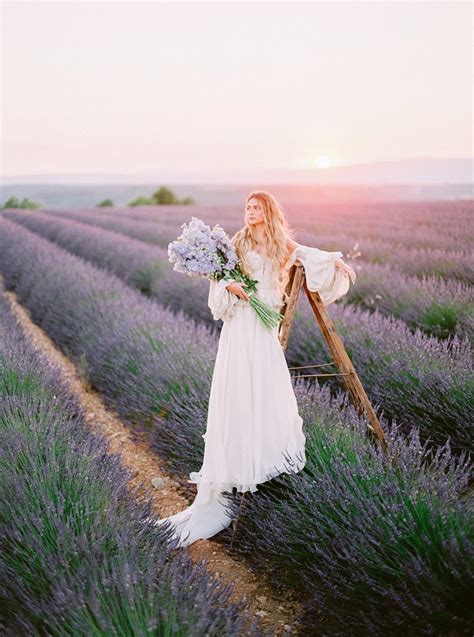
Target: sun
(323, 161)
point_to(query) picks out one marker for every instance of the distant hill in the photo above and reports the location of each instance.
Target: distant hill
(420, 171)
(409, 179)
(415, 171)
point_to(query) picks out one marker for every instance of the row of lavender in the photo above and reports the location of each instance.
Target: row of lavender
(76, 558)
(431, 224)
(437, 307)
(383, 542)
(438, 257)
(418, 380)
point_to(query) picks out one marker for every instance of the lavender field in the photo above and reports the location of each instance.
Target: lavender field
(370, 543)
(410, 336)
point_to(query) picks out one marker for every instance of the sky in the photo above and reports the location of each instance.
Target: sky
(139, 87)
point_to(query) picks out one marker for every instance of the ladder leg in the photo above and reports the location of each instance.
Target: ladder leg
(340, 356)
(293, 287)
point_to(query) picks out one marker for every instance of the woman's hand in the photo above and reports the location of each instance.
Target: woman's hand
(346, 269)
(237, 289)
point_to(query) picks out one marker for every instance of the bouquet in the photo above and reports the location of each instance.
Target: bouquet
(204, 252)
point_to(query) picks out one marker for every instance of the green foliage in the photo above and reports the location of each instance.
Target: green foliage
(143, 277)
(14, 202)
(164, 196)
(141, 201)
(105, 203)
(440, 319)
(161, 197)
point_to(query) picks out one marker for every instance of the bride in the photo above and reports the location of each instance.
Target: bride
(254, 431)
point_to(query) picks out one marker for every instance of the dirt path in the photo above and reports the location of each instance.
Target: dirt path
(278, 616)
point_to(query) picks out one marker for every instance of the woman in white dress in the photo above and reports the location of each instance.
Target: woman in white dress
(254, 431)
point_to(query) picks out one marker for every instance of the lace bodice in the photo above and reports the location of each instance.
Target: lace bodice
(262, 269)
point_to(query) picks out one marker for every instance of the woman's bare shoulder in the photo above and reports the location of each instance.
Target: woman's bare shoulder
(291, 245)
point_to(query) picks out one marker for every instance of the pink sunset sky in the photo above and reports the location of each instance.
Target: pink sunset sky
(141, 87)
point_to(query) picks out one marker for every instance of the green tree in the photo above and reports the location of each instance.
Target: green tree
(14, 202)
(105, 203)
(161, 197)
(141, 201)
(164, 196)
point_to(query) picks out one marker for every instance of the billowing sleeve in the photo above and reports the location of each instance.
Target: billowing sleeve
(221, 301)
(320, 272)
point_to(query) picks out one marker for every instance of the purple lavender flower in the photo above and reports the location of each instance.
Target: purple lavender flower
(200, 251)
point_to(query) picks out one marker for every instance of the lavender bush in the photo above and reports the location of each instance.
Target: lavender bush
(377, 544)
(75, 557)
(446, 254)
(410, 224)
(440, 308)
(139, 264)
(418, 381)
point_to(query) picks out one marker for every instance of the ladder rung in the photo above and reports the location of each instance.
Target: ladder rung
(314, 375)
(306, 366)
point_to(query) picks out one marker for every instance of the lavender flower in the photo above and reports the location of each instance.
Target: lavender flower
(202, 252)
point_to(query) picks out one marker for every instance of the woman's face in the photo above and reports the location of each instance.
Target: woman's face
(254, 212)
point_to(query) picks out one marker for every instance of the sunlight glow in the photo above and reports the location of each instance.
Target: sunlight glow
(323, 161)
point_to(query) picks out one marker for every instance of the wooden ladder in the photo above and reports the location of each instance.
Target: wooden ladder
(341, 359)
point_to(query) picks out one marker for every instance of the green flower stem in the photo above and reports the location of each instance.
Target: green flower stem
(268, 316)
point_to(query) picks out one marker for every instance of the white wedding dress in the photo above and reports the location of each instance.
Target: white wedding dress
(254, 431)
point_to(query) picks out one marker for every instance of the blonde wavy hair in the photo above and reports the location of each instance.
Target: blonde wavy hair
(277, 232)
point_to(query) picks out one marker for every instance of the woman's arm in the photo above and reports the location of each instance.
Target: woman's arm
(338, 263)
(220, 300)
